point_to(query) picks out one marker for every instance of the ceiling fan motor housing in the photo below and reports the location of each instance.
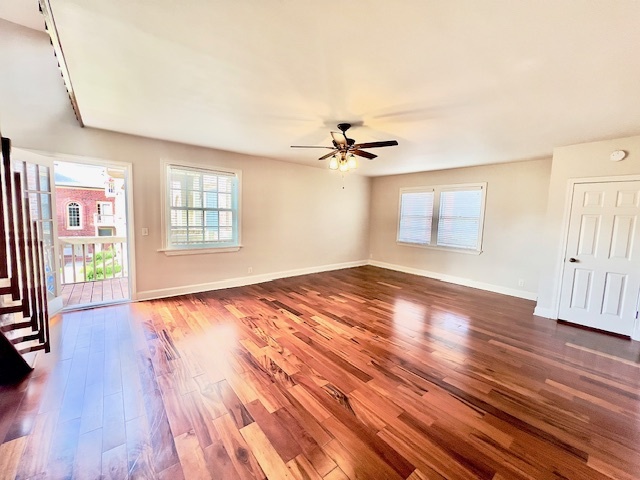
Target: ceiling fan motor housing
(349, 145)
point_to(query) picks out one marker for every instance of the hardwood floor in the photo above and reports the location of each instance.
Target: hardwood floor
(360, 373)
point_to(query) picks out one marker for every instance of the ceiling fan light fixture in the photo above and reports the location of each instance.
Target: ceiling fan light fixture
(344, 149)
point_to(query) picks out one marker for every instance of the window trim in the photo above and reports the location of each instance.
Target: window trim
(435, 218)
(68, 222)
(111, 186)
(166, 206)
(100, 203)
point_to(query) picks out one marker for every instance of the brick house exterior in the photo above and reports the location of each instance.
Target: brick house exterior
(87, 198)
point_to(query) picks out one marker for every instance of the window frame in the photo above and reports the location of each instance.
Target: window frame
(416, 190)
(68, 222)
(435, 218)
(169, 249)
(100, 204)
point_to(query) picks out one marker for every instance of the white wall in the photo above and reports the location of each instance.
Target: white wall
(515, 210)
(585, 160)
(294, 218)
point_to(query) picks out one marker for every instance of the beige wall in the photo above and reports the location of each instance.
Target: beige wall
(293, 217)
(585, 160)
(515, 209)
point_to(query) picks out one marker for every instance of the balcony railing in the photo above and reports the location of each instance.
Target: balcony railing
(101, 220)
(92, 259)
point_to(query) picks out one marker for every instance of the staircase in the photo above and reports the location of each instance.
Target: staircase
(24, 320)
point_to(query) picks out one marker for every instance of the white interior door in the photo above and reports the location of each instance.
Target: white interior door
(601, 280)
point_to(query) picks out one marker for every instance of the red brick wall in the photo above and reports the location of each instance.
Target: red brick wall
(87, 198)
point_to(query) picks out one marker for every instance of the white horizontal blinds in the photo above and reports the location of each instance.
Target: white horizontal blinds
(202, 208)
(416, 214)
(459, 218)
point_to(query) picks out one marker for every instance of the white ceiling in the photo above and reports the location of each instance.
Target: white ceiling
(22, 12)
(456, 82)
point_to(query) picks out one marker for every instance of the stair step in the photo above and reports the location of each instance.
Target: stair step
(33, 348)
(11, 309)
(15, 326)
(25, 338)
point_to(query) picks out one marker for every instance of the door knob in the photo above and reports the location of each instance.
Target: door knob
(573, 260)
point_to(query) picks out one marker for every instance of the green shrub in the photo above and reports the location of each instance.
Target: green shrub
(107, 254)
(106, 266)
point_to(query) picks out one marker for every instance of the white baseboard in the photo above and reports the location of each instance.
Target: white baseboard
(253, 279)
(242, 281)
(544, 312)
(457, 280)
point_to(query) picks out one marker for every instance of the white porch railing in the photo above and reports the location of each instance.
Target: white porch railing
(92, 259)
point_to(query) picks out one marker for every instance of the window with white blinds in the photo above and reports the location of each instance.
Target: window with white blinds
(459, 218)
(202, 208)
(416, 216)
(447, 216)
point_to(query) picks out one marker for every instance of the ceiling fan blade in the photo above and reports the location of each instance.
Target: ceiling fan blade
(339, 138)
(364, 154)
(309, 146)
(328, 155)
(387, 143)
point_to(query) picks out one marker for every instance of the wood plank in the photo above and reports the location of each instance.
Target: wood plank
(236, 409)
(267, 456)
(88, 461)
(301, 468)
(114, 463)
(139, 450)
(282, 441)
(36, 452)
(10, 454)
(192, 457)
(113, 431)
(236, 446)
(218, 461)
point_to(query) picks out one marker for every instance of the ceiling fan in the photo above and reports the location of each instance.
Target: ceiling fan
(345, 149)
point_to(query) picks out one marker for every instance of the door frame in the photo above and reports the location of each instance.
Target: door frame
(560, 263)
(37, 158)
(128, 168)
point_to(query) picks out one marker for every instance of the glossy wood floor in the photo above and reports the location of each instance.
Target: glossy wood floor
(361, 373)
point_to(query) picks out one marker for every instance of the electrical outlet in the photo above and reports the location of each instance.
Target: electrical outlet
(521, 282)
(250, 270)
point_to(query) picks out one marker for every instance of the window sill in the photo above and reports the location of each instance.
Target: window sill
(445, 249)
(171, 252)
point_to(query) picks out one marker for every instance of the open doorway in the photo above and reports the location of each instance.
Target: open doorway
(92, 241)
